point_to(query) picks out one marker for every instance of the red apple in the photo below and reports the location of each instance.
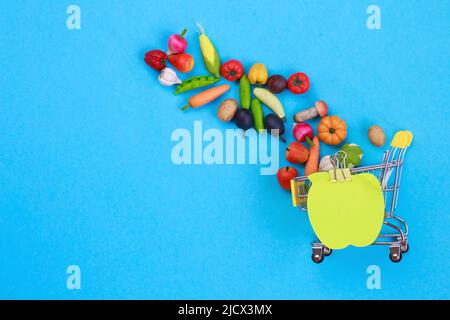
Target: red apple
(297, 153)
(285, 175)
(183, 62)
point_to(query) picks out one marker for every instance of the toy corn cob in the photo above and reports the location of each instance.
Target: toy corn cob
(209, 52)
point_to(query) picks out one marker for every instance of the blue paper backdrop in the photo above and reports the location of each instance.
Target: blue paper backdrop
(85, 167)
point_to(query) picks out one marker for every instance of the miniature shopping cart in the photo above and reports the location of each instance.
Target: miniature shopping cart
(389, 174)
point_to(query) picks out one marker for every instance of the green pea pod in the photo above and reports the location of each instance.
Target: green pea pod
(244, 91)
(258, 115)
(196, 82)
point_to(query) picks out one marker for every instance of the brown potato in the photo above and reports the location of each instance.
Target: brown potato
(377, 136)
(227, 110)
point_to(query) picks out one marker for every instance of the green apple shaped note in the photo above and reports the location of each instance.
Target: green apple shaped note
(346, 213)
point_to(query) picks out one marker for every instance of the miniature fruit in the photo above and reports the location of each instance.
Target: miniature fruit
(377, 136)
(303, 132)
(207, 96)
(258, 74)
(270, 100)
(177, 43)
(312, 165)
(232, 70)
(320, 109)
(258, 116)
(183, 62)
(168, 77)
(209, 53)
(195, 83)
(156, 59)
(353, 155)
(276, 84)
(274, 124)
(332, 130)
(285, 175)
(243, 119)
(227, 110)
(298, 83)
(244, 92)
(297, 153)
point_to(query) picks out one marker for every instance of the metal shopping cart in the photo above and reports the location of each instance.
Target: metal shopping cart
(389, 174)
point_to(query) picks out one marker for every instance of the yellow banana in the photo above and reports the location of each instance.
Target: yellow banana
(209, 52)
(270, 100)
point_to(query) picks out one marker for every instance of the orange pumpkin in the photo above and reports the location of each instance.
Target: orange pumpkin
(332, 130)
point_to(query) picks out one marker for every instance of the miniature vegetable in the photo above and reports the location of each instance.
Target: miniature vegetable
(377, 136)
(244, 92)
(353, 157)
(183, 62)
(297, 153)
(156, 59)
(243, 119)
(258, 74)
(168, 77)
(276, 84)
(312, 166)
(177, 43)
(319, 109)
(258, 116)
(332, 130)
(209, 53)
(303, 132)
(195, 83)
(270, 100)
(227, 110)
(206, 96)
(298, 83)
(275, 125)
(285, 175)
(326, 164)
(232, 70)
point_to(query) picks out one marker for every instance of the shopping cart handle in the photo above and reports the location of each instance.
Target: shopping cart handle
(402, 139)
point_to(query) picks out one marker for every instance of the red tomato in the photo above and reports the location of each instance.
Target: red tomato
(298, 83)
(156, 59)
(232, 70)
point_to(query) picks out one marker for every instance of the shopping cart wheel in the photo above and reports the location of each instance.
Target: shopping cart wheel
(317, 258)
(395, 254)
(318, 254)
(405, 247)
(327, 251)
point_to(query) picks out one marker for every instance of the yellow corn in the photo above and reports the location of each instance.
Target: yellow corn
(209, 53)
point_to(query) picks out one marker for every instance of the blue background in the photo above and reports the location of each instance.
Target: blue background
(85, 167)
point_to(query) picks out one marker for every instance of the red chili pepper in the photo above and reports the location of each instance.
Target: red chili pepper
(232, 70)
(298, 83)
(156, 59)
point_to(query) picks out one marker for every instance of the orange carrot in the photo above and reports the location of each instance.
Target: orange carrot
(312, 166)
(206, 96)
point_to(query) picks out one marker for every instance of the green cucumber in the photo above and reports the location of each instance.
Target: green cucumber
(244, 92)
(258, 115)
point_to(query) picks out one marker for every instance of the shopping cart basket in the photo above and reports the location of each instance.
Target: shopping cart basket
(389, 174)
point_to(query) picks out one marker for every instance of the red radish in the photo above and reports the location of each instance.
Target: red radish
(303, 132)
(183, 62)
(177, 43)
(285, 175)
